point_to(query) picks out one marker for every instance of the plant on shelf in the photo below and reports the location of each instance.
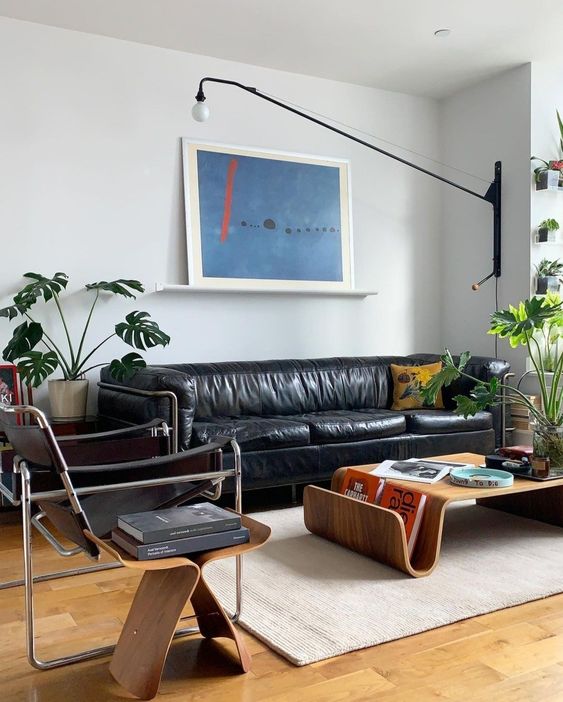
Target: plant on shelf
(522, 326)
(542, 172)
(35, 366)
(547, 229)
(548, 276)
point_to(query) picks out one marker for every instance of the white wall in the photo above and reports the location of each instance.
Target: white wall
(485, 123)
(91, 184)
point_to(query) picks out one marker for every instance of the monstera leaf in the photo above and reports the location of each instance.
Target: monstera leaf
(519, 323)
(24, 339)
(12, 311)
(141, 332)
(127, 366)
(450, 371)
(41, 286)
(35, 366)
(118, 287)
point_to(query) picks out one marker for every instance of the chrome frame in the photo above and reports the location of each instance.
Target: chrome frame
(152, 393)
(504, 429)
(72, 494)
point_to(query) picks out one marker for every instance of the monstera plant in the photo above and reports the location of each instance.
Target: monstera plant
(534, 324)
(37, 354)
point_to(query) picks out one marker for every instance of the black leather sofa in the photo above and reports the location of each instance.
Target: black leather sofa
(298, 420)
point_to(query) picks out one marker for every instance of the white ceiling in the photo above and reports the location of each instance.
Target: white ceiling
(369, 42)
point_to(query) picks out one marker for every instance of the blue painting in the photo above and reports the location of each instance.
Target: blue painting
(272, 218)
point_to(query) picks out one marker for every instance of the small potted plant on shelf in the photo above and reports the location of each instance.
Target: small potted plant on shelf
(547, 230)
(68, 395)
(549, 175)
(548, 276)
(522, 326)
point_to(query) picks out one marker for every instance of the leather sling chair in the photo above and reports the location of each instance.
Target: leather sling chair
(89, 497)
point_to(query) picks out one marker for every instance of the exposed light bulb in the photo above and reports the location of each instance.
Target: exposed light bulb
(200, 112)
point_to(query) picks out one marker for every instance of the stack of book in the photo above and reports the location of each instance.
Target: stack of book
(178, 531)
(521, 416)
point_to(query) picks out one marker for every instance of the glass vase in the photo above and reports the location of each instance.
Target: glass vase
(548, 443)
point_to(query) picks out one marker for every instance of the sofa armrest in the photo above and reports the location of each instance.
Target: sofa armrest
(139, 408)
(482, 367)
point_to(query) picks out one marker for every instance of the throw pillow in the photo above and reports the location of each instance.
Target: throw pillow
(408, 382)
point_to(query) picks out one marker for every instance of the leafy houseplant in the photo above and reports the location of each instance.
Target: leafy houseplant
(522, 326)
(34, 366)
(547, 229)
(555, 166)
(548, 276)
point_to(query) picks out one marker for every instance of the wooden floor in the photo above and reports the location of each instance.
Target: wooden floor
(514, 655)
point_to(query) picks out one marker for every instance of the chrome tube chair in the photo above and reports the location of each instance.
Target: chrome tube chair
(89, 497)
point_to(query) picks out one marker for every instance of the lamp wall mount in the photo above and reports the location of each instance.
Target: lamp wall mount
(200, 112)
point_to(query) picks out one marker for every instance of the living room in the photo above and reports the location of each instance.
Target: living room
(97, 142)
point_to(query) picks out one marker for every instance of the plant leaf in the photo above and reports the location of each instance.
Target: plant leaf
(466, 406)
(41, 286)
(127, 366)
(141, 332)
(24, 339)
(445, 377)
(118, 287)
(12, 311)
(34, 367)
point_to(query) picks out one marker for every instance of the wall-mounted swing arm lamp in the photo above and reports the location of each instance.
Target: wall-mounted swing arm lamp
(200, 112)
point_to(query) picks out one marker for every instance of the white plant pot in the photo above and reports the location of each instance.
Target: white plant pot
(68, 398)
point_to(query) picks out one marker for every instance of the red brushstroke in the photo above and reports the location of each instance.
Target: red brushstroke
(233, 165)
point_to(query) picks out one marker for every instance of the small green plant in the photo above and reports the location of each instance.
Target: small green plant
(34, 366)
(552, 225)
(546, 268)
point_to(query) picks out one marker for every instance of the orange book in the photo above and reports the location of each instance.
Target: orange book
(365, 487)
(409, 504)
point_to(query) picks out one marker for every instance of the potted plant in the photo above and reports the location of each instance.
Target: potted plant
(521, 326)
(547, 229)
(548, 276)
(549, 175)
(68, 395)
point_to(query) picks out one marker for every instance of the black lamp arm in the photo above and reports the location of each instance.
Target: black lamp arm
(492, 195)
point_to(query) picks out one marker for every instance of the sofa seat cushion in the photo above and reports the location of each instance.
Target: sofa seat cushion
(435, 421)
(348, 425)
(252, 433)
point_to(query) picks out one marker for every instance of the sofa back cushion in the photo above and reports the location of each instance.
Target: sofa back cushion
(289, 387)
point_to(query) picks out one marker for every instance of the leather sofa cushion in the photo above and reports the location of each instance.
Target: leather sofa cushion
(347, 425)
(434, 421)
(252, 433)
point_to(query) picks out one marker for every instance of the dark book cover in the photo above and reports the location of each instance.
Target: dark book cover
(178, 522)
(179, 547)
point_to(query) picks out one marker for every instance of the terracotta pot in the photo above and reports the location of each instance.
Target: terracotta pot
(68, 398)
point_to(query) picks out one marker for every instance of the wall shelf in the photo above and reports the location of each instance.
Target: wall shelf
(170, 287)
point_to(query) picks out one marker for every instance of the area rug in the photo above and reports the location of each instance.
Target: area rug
(309, 599)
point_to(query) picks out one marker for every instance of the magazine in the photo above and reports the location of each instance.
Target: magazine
(420, 470)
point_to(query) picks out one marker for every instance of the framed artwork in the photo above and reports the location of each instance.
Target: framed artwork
(9, 386)
(266, 219)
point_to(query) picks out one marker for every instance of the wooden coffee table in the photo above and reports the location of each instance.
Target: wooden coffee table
(380, 533)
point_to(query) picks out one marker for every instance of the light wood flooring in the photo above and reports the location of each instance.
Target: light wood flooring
(514, 655)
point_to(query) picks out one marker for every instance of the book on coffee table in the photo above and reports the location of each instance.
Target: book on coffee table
(420, 470)
(177, 522)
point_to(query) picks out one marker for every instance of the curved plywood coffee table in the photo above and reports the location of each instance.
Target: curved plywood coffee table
(379, 533)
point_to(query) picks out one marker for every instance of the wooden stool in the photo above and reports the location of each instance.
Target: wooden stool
(167, 585)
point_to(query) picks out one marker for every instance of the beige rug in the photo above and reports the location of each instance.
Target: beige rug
(309, 599)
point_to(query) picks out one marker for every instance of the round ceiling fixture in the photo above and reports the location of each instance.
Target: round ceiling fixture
(442, 33)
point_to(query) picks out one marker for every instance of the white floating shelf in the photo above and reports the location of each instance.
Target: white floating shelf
(170, 287)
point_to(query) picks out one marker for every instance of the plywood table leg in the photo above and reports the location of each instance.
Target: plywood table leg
(544, 505)
(139, 656)
(214, 623)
